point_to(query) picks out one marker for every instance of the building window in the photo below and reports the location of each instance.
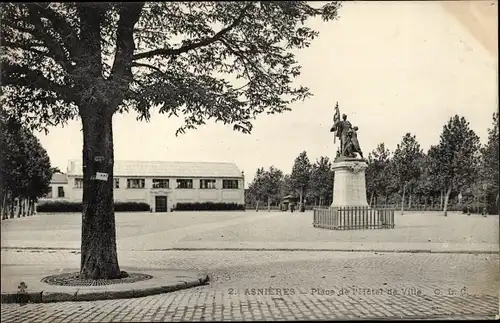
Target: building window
(160, 183)
(136, 183)
(116, 183)
(60, 191)
(49, 194)
(207, 183)
(184, 183)
(230, 183)
(78, 183)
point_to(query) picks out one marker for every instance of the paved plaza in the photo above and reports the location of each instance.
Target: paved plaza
(284, 284)
(258, 230)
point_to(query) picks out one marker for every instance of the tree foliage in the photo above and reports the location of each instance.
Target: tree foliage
(255, 188)
(301, 174)
(378, 176)
(321, 181)
(407, 164)
(227, 61)
(266, 185)
(271, 184)
(430, 183)
(457, 156)
(490, 163)
(25, 171)
(286, 186)
(406, 158)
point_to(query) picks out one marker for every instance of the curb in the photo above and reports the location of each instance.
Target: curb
(334, 250)
(490, 252)
(92, 295)
(451, 316)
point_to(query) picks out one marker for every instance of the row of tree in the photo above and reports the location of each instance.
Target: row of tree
(25, 170)
(457, 168)
(310, 182)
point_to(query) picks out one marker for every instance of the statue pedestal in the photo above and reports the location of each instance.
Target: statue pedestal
(349, 185)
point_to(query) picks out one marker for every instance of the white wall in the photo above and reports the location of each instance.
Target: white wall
(54, 190)
(174, 196)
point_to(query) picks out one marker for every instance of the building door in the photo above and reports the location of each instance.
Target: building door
(160, 204)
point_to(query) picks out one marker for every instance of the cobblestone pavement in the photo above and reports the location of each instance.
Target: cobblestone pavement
(284, 286)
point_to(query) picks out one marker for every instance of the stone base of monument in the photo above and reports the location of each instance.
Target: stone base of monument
(349, 209)
(349, 185)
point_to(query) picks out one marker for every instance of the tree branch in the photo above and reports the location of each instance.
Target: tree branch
(29, 48)
(41, 33)
(135, 64)
(194, 45)
(61, 26)
(89, 56)
(23, 76)
(125, 46)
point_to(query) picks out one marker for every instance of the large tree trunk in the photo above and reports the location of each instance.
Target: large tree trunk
(446, 198)
(371, 199)
(268, 204)
(403, 199)
(441, 200)
(98, 254)
(257, 206)
(97, 104)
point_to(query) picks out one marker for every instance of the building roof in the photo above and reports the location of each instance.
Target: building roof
(164, 169)
(59, 178)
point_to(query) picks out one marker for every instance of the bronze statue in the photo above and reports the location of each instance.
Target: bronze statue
(343, 129)
(352, 146)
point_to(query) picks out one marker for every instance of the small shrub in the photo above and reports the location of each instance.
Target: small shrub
(76, 207)
(59, 207)
(209, 206)
(131, 207)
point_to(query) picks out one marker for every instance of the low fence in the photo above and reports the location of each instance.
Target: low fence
(353, 218)
(452, 207)
(278, 208)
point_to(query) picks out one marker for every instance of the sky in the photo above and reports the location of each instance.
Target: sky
(394, 67)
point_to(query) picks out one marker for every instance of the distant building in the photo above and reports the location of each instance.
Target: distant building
(161, 184)
(58, 188)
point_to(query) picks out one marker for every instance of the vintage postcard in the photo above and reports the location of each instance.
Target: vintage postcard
(249, 161)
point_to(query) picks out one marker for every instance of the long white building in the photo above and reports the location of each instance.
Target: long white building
(161, 184)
